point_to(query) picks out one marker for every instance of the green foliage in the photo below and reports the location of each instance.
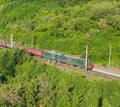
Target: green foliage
(36, 83)
(66, 26)
(9, 60)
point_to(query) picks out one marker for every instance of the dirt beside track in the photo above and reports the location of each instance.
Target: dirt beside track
(112, 70)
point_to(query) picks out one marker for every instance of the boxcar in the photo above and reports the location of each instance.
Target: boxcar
(3, 43)
(35, 52)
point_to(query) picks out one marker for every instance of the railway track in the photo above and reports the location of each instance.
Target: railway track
(72, 68)
(63, 66)
(106, 73)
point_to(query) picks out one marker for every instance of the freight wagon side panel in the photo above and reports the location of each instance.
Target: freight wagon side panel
(3, 43)
(37, 52)
(64, 59)
(59, 57)
(53, 56)
(69, 60)
(8, 45)
(34, 52)
(78, 62)
(48, 55)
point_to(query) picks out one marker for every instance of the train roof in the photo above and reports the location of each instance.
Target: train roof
(35, 49)
(73, 56)
(59, 53)
(54, 52)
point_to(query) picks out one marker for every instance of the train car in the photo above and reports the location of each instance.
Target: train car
(19, 47)
(35, 52)
(59, 57)
(64, 59)
(53, 55)
(76, 61)
(48, 54)
(3, 43)
(8, 45)
(79, 62)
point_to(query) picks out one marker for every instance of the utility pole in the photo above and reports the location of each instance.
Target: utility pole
(109, 61)
(86, 58)
(11, 40)
(53, 57)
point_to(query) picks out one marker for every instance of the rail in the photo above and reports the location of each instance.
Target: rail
(106, 73)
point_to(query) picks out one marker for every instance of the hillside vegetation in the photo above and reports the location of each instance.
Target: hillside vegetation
(65, 25)
(25, 82)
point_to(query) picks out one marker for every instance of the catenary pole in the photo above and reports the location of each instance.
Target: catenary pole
(11, 40)
(109, 61)
(86, 58)
(53, 57)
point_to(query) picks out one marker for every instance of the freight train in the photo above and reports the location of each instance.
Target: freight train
(52, 55)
